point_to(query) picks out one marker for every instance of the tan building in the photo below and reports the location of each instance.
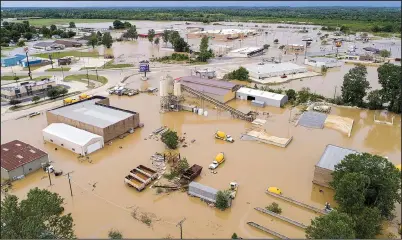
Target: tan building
(324, 168)
(24, 89)
(96, 116)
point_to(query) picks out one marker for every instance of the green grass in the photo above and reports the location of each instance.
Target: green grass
(79, 78)
(57, 55)
(8, 48)
(11, 78)
(50, 21)
(57, 69)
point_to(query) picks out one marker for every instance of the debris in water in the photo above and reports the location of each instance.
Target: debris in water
(184, 145)
(120, 147)
(192, 141)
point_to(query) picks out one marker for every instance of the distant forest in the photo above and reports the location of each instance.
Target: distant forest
(354, 18)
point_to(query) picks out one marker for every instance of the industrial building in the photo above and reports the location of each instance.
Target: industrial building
(205, 73)
(294, 47)
(19, 159)
(223, 34)
(204, 192)
(267, 70)
(68, 44)
(268, 98)
(324, 168)
(322, 61)
(48, 46)
(219, 90)
(246, 52)
(24, 89)
(72, 138)
(96, 116)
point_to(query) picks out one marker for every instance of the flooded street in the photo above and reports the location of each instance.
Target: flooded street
(255, 166)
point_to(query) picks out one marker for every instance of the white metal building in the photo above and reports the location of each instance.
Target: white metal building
(270, 99)
(267, 70)
(73, 139)
(321, 61)
(246, 52)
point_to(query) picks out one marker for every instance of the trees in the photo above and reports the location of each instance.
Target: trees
(204, 53)
(291, 94)
(21, 43)
(276, 41)
(53, 28)
(93, 40)
(156, 41)
(170, 138)
(28, 35)
(127, 24)
(373, 180)
(37, 217)
(165, 36)
(107, 40)
(182, 166)
(132, 33)
(355, 85)
(14, 102)
(222, 199)
(234, 236)
(151, 35)
(389, 76)
(274, 207)
(72, 25)
(385, 53)
(56, 92)
(374, 100)
(335, 225)
(266, 46)
(115, 234)
(35, 99)
(239, 74)
(117, 24)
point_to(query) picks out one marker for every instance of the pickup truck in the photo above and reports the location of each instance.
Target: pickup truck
(193, 172)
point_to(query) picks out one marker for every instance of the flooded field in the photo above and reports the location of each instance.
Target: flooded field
(255, 166)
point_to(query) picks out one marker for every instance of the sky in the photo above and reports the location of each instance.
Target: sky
(197, 3)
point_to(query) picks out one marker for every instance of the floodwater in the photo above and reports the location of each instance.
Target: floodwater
(255, 166)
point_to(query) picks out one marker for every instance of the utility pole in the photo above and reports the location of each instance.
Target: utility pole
(96, 70)
(180, 224)
(29, 67)
(335, 92)
(88, 77)
(62, 72)
(69, 182)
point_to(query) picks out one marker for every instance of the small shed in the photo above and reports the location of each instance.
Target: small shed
(19, 159)
(73, 139)
(204, 192)
(268, 98)
(331, 157)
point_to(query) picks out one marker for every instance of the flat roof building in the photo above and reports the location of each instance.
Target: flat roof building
(205, 193)
(322, 61)
(332, 156)
(220, 90)
(246, 52)
(268, 98)
(67, 43)
(72, 138)
(267, 70)
(19, 159)
(48, 45)
(96, 116)
(26, 89)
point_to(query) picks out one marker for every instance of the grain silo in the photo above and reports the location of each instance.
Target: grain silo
(177, 89)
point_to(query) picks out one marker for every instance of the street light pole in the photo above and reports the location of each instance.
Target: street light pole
(29, 67)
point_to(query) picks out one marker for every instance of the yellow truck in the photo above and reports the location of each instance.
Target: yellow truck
(221, 135)
(219, 159)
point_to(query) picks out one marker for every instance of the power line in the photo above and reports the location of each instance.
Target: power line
(69, 181)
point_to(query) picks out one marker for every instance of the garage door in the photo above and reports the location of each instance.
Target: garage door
(93, 147)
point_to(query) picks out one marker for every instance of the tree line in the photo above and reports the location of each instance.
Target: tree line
(379, 17)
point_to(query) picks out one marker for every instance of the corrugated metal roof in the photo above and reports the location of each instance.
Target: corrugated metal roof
(70, 133)
(90, 113)
(312, 119)
(208, 82)
(15, 154)
(332, 156)
(207, 89)
(259, 93)
(202, 187)
(274, 67)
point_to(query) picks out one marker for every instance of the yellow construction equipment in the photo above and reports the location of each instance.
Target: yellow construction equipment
(220, 134)
(67, 101)
(274, 190)
(220, 158)
(83, 96)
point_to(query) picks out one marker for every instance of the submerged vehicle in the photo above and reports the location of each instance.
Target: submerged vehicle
(219, 159)
(275, 190)
(221, 135)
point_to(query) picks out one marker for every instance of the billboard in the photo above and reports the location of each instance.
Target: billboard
(144, 66)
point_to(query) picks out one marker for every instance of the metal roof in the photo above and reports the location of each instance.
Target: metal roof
(323, 59)
(207, 89)
(274, 67)
(44, 44)
(333, 155)
(208, 82)
(90, 113)
(312, 119)
(202, 187)
(70, 133)
(15, 154)
(259, 93)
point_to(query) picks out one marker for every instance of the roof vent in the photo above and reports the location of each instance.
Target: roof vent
(32, 151)
(19, 156)
(5, 149)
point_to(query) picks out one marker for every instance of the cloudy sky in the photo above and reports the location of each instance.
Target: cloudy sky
(195, 3)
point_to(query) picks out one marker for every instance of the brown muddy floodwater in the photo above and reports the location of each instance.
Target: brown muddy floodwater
(255, 166)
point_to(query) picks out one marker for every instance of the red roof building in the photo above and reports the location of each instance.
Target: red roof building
(19, 159)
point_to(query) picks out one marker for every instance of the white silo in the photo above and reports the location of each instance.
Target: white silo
(177, 89)
(169, 84)
(163, 87)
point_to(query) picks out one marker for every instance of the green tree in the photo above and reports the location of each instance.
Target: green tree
(374, 100)
(107, 40)
(239, 74)
(35, 99)
(266, 46)
(115, 234)
(367, 223)
(21, 43)
(132, 33)
(234, 236)
(204, 53)
(179, 45)
(151, 35)
(303, 95)
(355, 86)
(222, 199)
(335, 225)
(385, 53)
(53, 28)
(156, 41)
(274, 207)
(389, 76)
(117, 24)
(127, 24)
(182, 166)
(291, 94)
(170, 138)
(276, 41)
(37, 216)
(93, 40)
(71, 34)
(28, 35)
(14, 102)
(371, 176)
(165, 36)
(45, 31)
(72, 25)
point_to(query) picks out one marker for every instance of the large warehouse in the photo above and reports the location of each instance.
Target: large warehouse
(72, 138)
(267, 70)
(220, 90)
(96, 116)
(322, 61)
(19, 159)
(324, 168)
(269, 99)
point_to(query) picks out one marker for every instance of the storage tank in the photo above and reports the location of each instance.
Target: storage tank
(169, 84)
(162, 87)
(177, 89)
(220, 134)
(200, 111)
